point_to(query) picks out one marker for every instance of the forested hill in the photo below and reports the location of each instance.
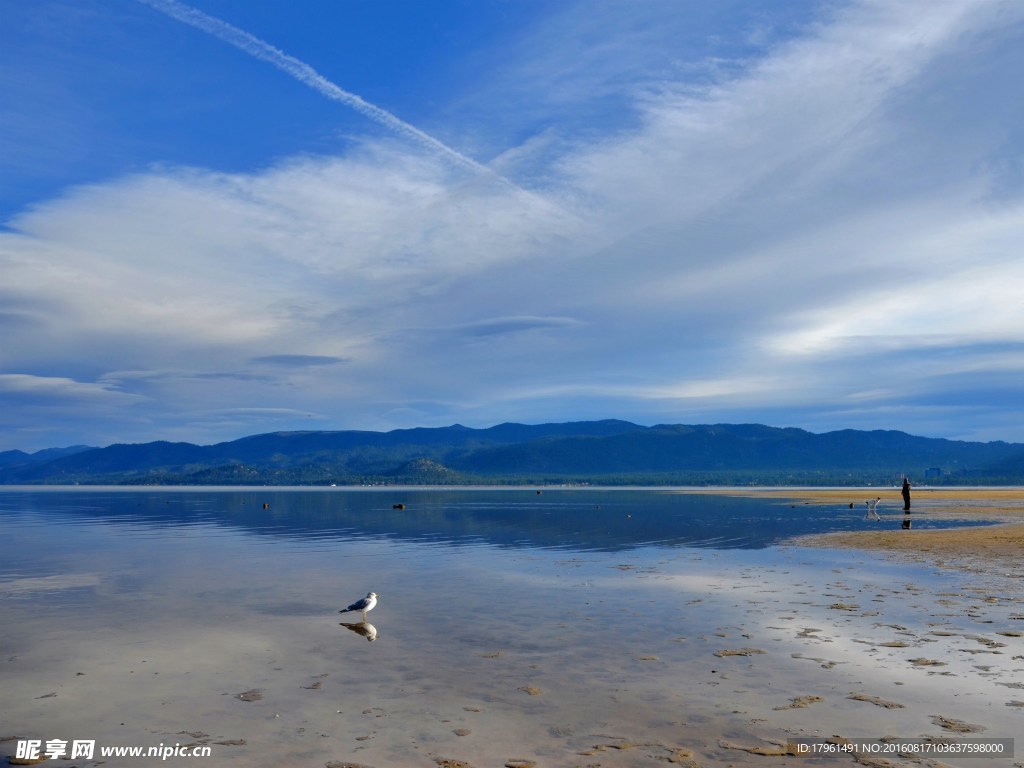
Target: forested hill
(596, 452)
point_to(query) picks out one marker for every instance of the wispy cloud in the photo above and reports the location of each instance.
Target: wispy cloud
(26, 389)
(306, 75)
(501, 325)
(298, 361)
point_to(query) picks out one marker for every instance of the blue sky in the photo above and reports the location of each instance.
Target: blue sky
(802, 214)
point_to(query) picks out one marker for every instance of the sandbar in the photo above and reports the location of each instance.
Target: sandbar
(967, 548)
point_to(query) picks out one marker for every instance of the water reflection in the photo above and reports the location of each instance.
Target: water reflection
(170, 602)
(576, 520)
(362, 628)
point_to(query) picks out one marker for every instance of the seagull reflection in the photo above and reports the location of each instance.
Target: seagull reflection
(362, 628)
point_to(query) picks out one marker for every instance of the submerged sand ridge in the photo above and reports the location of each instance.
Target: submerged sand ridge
(651, 656)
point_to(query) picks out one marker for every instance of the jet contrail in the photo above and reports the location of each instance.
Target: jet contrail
(306, 75)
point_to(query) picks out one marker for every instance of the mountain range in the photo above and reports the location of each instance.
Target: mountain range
(593, 452)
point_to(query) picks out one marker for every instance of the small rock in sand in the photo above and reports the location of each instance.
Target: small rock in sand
(738, 652)
(957, 726)
(779, 750)
(681, 756)
(875, 700)
(800, 702)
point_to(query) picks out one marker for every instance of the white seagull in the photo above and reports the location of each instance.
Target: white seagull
(873, 508)
(364, 605)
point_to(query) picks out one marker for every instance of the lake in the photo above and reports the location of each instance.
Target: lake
(562, 627)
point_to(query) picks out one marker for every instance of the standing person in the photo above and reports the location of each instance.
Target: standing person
(906, 495)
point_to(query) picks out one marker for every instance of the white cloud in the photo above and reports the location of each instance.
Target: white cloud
(935, 278)
(744, 246)
(29, 389)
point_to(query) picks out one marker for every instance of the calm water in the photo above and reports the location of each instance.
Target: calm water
(570, 520)
(510, 624)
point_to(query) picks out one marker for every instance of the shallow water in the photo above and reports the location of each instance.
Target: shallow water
(570, 627)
